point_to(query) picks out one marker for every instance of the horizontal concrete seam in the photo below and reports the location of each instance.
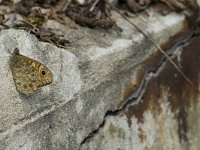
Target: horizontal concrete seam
(30, 120)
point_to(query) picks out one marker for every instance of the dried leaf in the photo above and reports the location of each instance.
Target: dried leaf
(138, 5)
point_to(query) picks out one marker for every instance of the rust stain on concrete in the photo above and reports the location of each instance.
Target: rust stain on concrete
(116, 132)
(151, 63)
(180, 93)
(112, 130)
(142, 135)
(131, 87)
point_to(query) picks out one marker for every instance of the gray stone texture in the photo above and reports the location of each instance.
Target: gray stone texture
(90, 81)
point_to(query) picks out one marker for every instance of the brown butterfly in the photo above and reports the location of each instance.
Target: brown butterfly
(28, 74)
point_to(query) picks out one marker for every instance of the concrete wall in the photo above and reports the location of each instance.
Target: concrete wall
(112, 89)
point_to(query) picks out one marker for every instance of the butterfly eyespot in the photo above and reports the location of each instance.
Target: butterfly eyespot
(43, 73)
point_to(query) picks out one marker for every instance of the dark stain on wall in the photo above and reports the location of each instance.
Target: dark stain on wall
(167, 84)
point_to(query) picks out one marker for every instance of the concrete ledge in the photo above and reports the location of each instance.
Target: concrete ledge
(90, 79)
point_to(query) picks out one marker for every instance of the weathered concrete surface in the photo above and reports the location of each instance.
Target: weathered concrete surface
(93, 79)
(165, 113)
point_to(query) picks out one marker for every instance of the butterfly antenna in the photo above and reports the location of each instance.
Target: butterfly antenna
(155, 44)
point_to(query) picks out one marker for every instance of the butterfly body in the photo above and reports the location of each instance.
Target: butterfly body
(28, 74)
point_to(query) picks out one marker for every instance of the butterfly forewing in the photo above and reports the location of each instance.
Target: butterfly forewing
(28, 74)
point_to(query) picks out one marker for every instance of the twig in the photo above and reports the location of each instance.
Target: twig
(156, 45)
(94, 4)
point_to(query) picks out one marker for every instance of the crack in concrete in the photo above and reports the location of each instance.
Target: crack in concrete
(133, 99)
(137, 95)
